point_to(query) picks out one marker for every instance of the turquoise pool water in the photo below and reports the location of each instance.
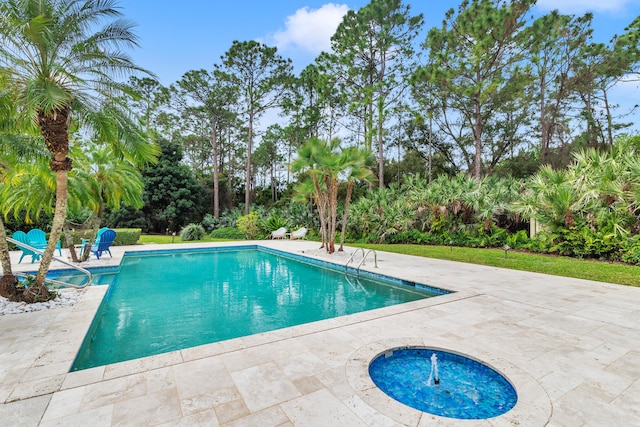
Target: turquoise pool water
(170, 301)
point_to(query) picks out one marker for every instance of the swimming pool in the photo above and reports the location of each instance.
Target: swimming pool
(170, 300)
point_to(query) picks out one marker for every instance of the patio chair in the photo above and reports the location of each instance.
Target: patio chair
(21, 237)
(105, 240)
(280, 233)
(38, 240)
(84, 242)
(299, 234)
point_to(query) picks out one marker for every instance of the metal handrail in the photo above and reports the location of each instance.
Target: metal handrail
(351, 258)
(375, 260)
(359, 286)
(57, 282)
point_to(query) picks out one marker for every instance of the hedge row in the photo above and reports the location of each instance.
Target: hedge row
(124, 236)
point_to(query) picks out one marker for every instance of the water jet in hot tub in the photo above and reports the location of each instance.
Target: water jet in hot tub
(442, 383)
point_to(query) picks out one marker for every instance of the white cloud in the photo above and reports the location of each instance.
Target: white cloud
(310, 29)
(582, 6)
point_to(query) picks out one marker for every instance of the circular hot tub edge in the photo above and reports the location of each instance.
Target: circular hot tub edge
(533, 406)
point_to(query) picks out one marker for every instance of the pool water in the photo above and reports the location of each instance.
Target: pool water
(467, 389)
(177, 300)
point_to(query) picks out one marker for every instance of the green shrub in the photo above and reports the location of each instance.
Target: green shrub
(227, 233)
(410, 236)
(631, 252)
(127, 236)
(209, 222)
(124, 236)
(248, 225)
(192, 232)
(518, 240)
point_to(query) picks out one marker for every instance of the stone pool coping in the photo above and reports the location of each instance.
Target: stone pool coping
(577, 340)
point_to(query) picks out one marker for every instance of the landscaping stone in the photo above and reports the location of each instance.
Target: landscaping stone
(64, 299)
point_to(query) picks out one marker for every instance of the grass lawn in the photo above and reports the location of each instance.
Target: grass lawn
(621, 274)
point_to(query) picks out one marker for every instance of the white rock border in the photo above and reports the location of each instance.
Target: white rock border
(68, 298)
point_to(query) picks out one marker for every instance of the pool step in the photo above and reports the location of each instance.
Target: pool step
(104, 279)
(78, 279)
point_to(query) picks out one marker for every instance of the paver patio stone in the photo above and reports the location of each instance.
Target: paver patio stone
(570, 343)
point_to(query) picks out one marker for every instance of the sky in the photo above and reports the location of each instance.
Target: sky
(179, 36)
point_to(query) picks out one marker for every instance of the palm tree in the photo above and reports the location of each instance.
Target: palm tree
(325, 162)
(354, 161)
(98, 179)
(63, 64)
(17, 146)
(312, 156)
(102, 179)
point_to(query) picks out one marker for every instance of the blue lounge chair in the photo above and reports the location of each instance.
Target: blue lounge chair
(95, 242)
(102, 244)
(21, 237)
(38, 240)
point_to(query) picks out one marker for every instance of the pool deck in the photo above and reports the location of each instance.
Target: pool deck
(570, 347)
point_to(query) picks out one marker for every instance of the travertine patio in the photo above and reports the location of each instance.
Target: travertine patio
(571, 348)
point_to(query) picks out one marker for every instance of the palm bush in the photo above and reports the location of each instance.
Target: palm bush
(192, 232)
(589, 209)
(209, 222)
(381, 214)
(228, 218)
(274, 222)
(459, 209)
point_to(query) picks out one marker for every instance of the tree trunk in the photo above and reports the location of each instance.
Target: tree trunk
(272, 178)
(544, 131)
(609, 119)
(247, 189)
(40, 291)
(69, 243)
(347, 202)
(289, 153)
(332, 204)
(5, 257)
(230, 171)
(477, 170)
(380, 152)
(95, 225)
(322, 210)
(216, 180)
(54, 127)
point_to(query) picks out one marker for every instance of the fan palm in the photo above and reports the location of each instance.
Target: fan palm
(552, 197)
(354, 161)
(325, 162)
(63, 64)
(311, 157)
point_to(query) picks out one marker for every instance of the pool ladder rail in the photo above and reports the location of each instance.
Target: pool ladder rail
(362, 261)
(55, 282)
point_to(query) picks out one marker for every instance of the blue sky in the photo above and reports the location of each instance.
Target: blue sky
(178, 36)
